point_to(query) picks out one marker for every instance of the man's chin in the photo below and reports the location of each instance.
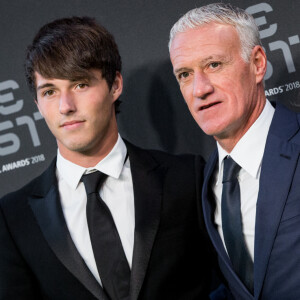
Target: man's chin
(77, 147)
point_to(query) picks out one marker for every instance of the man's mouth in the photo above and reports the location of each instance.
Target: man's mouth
(209, 105)
(71, 124)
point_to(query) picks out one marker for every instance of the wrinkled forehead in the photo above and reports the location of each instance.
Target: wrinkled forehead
(212, 30)
(212, 38)
(190, 27)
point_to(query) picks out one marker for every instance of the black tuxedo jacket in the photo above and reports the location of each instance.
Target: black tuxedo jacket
(171, 260)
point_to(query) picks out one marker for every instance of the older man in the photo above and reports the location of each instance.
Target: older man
(251, 193)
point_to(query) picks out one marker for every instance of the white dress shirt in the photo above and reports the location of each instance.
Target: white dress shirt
(116, 192)
(248, 153)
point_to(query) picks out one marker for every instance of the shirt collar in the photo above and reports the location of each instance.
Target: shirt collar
(249, 150)
(112, 165)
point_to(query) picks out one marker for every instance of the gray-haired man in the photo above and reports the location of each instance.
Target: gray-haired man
(251, 193)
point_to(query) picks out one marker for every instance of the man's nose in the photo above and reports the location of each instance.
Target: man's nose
(66, 103)
(202, 85)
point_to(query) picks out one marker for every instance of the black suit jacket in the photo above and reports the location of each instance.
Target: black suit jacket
(171, 260)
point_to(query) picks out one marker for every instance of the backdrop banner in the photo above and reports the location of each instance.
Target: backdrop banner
(153, 112)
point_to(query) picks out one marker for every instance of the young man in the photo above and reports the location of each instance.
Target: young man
(251, 189)
(59, 238)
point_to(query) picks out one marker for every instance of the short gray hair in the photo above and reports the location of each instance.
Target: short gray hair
(224, 14)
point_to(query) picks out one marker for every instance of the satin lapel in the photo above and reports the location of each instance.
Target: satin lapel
(278, 168)
(46, 207)
(147, 184)
(208, 210)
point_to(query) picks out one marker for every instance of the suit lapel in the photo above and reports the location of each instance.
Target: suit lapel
(278, 167)
(147, 184)
(46, 207)
(209, 210)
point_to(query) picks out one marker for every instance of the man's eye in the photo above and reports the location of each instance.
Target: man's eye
(214, 65)
(81, 85)
(183, 75)
(48, 93)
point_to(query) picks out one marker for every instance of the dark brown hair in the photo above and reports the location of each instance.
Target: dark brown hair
(68, 48)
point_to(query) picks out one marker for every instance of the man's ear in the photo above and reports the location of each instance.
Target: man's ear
(259, 60)
(117, 86)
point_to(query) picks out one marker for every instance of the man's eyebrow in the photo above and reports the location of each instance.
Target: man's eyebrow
(214, 57)
(46, 85)
(205, 60)
(89, 77)
(201, 63)
(179, 70)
